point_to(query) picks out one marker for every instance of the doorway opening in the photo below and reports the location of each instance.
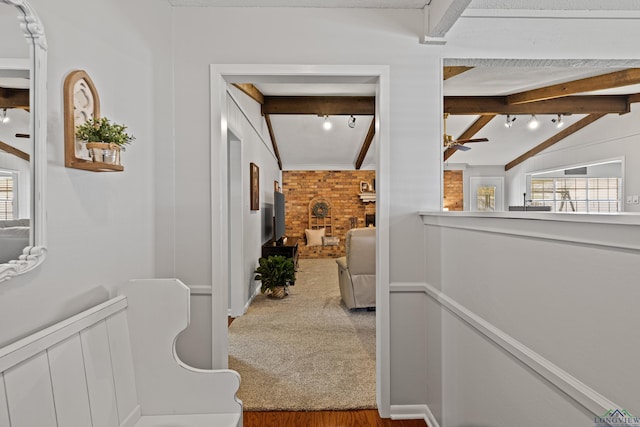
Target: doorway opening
(221, 77)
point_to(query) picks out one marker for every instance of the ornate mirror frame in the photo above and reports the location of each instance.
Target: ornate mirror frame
(33, 255)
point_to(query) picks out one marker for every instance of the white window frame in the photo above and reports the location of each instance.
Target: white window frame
(16, 192)
(587, 201)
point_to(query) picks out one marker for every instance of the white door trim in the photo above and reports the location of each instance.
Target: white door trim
(237, 287)
(221, 75)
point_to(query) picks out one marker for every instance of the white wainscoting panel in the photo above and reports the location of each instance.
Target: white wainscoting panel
(29, 386)
(69, 383)
(4, 411)
(571, 386)
(122, 362)
(97, 360)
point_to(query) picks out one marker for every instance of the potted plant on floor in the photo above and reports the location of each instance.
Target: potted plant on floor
(276, 273)
(104, 139)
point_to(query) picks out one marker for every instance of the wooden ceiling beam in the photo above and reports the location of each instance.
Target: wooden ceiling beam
(452, 71)
(251, 91)
(470, 132)
(634, 98)
(273, 140)
(320, 105)
(13, 150)
(14, 98)
(622, 78)
(555, 139)
(588, 104)
(366, 144)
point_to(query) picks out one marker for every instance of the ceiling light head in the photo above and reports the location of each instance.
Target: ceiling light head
(4, 118)
(327, 124)
(559, 122)
(533, 122)
(351, 122)
(509, 122)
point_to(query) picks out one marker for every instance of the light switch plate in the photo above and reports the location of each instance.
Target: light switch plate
(635, 199)
(629, 200)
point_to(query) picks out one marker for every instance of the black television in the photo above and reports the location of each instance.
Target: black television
(278, 217)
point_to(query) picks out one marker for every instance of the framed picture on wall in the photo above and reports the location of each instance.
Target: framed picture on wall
(254, 179)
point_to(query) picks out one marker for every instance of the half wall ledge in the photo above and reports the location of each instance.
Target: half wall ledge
(617, 231)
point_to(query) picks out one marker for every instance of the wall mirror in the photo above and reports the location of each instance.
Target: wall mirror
(23, 157)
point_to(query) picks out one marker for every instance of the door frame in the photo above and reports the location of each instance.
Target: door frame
(223, 74)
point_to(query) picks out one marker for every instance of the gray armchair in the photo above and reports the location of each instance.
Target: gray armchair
(357, 270)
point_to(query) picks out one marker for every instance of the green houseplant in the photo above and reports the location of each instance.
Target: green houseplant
(277, 273)
(104, 139)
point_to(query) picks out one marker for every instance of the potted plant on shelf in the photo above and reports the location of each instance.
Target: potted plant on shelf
(277, 273)
(104, 139)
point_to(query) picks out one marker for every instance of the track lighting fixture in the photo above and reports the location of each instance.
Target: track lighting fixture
(559, 122)
(533, 122)
(351, 122)
(327, 124)
(509, 122)
(4, 118)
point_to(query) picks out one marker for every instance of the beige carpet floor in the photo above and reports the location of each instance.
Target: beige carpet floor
(306, 351)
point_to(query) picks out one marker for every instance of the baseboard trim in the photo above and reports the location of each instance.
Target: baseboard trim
(133, 417)
(585, 396)
(255, 293)
(414, 412)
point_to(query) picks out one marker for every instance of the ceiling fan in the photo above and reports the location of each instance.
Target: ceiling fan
(458, 144)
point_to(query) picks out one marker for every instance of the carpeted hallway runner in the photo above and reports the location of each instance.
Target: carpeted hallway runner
(306, 351)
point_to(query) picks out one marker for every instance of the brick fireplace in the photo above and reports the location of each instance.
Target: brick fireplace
(341, 189)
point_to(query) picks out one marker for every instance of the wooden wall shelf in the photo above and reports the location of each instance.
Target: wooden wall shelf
(96, 166)
(81, 102)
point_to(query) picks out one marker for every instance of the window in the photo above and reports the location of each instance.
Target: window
(577, 194)
(8, 207)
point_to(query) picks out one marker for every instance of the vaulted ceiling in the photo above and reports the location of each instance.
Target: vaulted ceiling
(484, 96)
(295, 114)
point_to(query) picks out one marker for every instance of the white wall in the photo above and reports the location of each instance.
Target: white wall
(100, 225)
(249, 126)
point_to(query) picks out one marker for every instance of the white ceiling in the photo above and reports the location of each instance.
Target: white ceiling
(302, 141)
(304, 144)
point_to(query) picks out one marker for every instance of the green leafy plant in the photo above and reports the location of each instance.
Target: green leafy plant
(103, 130)
(275, 271)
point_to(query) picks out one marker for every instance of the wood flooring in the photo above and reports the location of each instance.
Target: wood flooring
(362, 418)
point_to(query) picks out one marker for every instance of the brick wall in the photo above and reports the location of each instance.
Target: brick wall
(340, 188)
(453, 190)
